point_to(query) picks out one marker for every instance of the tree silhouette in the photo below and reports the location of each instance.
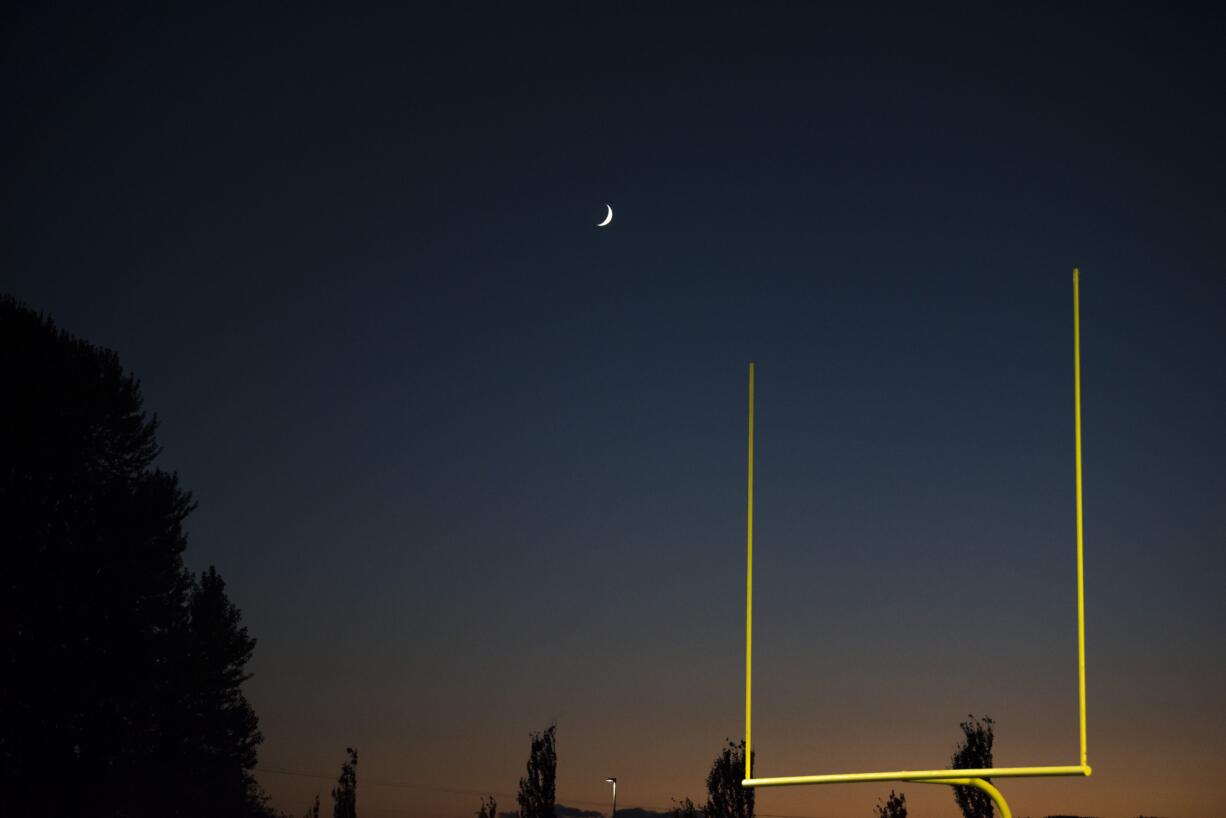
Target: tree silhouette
(313, 810)
(895, 806)
(974, 752)
(120, 674)
(489, 808)
(345, 794)
(726, 798)
(536, 790)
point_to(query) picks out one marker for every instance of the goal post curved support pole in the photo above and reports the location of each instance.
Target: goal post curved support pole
(979, 784)
(977, 778)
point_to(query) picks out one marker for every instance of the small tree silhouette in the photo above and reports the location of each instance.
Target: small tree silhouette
(685, 808)
(312, 811)
(974, 752)
(536, 790)
(895, 806)
(726, 798)
(489, 808)
(345, 794)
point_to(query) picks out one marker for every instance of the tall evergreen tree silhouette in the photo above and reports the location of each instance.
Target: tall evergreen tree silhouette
(119, 674)
(536, 789)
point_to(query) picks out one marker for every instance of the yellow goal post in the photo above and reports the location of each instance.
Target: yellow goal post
(955, 777)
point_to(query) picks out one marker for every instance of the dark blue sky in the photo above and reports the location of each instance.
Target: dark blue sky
(469, 464)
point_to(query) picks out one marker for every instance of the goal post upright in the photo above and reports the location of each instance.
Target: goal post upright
(1081, 593)
(749, 595)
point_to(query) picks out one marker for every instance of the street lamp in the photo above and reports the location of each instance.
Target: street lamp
(613, 781)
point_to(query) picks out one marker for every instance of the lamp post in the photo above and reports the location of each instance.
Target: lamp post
(613, 781)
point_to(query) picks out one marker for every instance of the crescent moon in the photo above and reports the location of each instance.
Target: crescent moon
(607, 218)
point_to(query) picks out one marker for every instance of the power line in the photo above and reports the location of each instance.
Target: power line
(406, 785)
(398, 784)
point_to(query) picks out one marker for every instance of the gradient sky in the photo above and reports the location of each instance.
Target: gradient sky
(470, 464)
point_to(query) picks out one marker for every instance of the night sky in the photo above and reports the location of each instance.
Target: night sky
(470, 464)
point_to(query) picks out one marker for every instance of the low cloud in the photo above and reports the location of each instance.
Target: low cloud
(639, 812)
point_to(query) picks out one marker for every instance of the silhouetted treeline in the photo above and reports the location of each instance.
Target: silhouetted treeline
(121, 675)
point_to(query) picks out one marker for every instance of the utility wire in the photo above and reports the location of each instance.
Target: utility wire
(406, 785)
(397, 784)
